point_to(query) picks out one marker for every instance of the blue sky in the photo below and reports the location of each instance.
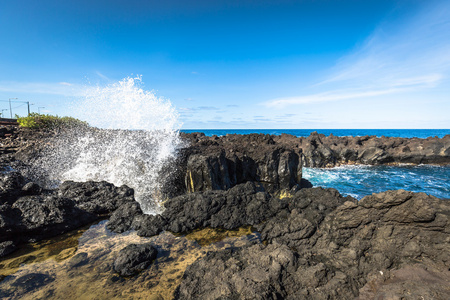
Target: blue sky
(238, 64)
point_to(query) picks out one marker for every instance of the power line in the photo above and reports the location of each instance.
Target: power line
(24, 102)
(19, 106)
(14, 101)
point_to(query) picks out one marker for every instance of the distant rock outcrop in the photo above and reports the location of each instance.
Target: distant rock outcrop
(318, 150)
(219, 163)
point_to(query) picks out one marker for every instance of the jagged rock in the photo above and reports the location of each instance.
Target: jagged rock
(121, 220)
(409, 282)
(213, 163)
(11, 183)
(148, 225)
(334, 249)
(306, 210)
(31, 188)
(47, 215)
(244, 204)
(7, 248)
(96, 197)
(28, 213)
(260, 272)
(319, 150)
(134, 258)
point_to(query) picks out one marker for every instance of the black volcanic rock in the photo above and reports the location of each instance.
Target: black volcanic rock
(122, 218)
(318, 150)
(29, 213)
(325, 248)
(242, 205)
(307, 209)
(213, 163)
(317, 244)
(11, 183)
(134, 258)
(219, 163)
(96, 197)
(47, 215)
(7, 247)
(261, 272)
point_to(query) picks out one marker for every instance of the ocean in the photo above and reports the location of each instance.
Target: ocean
(359, 181)
(406, 133)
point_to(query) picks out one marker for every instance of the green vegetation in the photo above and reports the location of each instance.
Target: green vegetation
(39, 121)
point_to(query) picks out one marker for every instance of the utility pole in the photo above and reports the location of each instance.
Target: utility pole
(10, 109)
(28, 103)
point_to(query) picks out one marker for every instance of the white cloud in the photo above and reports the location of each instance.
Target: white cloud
(413, 55)
(60, 88)
(102, 76)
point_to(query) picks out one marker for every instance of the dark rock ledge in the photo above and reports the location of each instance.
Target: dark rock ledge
(392, 245)
(319, 245)
(29, 213)
(319, 150)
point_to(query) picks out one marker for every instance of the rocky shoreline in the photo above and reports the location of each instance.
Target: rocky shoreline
(317, 244)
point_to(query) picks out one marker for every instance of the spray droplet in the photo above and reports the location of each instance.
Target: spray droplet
(136, 136)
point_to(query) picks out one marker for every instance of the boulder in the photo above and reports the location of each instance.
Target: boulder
(134, 258)
(213, 163)
(29, 213)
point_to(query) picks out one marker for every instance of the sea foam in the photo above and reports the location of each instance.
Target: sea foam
(132, 141)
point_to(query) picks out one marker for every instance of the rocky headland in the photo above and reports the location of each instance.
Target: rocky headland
(313, 242)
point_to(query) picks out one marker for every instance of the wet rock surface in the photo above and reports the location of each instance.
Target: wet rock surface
(27, 283)
(242, 205)
(320, 245)
(134, 258)
(317, 244)
(29, 213)
(337, 254)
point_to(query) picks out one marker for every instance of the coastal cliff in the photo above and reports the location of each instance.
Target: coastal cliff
(318, 150)
(218, 163)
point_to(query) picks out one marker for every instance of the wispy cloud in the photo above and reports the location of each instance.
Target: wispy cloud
(59, 88)
(102, 76)
(206, 108)
(331, 96)
(411, 55)
(285, 116)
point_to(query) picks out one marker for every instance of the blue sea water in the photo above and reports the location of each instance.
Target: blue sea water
(359, 181)
(406, 133)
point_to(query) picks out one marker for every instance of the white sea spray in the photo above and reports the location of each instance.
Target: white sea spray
(133, 140)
